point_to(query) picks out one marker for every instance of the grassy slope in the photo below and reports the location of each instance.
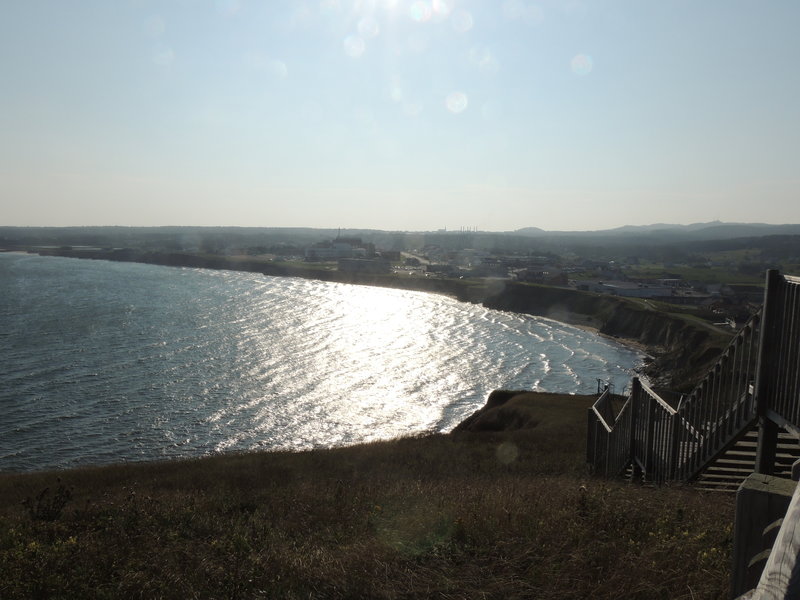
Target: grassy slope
(487, 512)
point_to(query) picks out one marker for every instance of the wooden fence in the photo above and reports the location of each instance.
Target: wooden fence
(778, 383)
(608, 448)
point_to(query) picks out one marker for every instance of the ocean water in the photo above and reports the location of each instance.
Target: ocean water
(106, 362)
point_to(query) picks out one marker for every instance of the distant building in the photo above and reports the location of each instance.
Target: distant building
(542, 274)
(626, 289)
(489, 268)
(336, 249)
(471, 258)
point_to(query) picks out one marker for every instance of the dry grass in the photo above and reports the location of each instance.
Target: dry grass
(470, 515)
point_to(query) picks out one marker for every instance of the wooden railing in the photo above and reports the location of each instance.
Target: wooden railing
(778, 378)
(673, 443)
(756, 379)
(653, 434)
(721, 406)
(608, 450)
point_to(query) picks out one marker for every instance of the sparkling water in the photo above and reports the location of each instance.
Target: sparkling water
(106, 362)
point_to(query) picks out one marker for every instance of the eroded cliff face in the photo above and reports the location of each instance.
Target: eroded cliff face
(683, 349)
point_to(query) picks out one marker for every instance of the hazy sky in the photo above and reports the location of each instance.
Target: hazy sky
(397, 114)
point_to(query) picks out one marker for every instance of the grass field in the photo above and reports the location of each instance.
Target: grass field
(505, 510)
(709, 275)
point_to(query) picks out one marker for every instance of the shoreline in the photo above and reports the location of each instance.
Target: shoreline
(449, 287)
(630, 343)
(677, 352)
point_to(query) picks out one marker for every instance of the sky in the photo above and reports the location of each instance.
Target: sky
(399, 114)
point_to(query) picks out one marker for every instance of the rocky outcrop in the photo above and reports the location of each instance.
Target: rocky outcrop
(498, 414)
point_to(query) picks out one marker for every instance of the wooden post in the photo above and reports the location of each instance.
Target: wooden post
(636, 392)
(779, 576)
(591, 437)
(674, 449)
(649, 443)
(760, 500)
(770, 324)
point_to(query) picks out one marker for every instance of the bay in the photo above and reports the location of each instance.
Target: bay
(105, 362)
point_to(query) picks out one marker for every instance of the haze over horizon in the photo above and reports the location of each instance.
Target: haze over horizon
(399, 114)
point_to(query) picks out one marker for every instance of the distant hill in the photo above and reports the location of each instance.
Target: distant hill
(714, 230)
(660, 241)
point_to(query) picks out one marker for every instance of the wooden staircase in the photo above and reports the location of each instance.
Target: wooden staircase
(729, 470)
(726, 473)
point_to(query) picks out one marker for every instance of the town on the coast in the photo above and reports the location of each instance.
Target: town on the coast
(713, 269)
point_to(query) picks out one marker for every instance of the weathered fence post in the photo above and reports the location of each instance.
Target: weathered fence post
(770, 331)
(591, 440)
(760, 500)
(636, 392)
(649, 443)
(674, 449)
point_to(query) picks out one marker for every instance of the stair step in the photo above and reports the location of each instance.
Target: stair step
(723, 476)
(719, 482)
(717, 490)
(730, 471)
(735, 451)
(753, 444)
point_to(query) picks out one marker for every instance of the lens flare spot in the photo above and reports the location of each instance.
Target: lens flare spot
(368, 27)
(582, 64)
(354, 46)
(163, 55)
(462, 21)
(278, 68)
(507, 453)
(155, 26)
(482, 57)
(441, 7)
(421, 12)
(456, 102)
(396, 90)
